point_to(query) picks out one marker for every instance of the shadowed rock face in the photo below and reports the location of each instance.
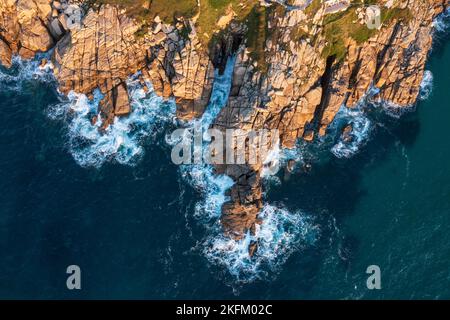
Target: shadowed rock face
(299, 94)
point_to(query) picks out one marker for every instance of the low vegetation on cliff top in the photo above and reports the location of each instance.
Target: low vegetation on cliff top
(144, 10)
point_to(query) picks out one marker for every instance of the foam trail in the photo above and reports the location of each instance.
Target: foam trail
(280, 234)
(121, 142)
(426, 87)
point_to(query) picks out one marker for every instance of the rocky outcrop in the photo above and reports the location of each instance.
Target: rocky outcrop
(303, 90)
(190, 72)
(101, 54)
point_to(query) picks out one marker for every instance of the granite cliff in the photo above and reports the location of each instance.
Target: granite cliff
(298, 62)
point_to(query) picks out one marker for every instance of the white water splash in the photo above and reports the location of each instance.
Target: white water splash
(23, 71)
(361, 128)
(280, 234)
(122, 141)
(441, 23)
(426, 87)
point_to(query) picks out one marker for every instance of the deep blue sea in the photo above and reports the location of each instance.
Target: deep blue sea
(142, 227)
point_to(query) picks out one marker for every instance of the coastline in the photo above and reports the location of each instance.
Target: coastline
(190, 109)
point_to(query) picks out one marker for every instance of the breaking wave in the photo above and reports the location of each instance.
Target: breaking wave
(280, 234)
(122, 141)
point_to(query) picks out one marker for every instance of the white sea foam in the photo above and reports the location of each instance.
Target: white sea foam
(272, 162)
(394, 110)
(22, 71)
(280, 234)
(361, 128)
(441, 23)
(122, 140)
(426, 87)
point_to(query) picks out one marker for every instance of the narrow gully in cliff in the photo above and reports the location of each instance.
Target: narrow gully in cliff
(220, 92)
